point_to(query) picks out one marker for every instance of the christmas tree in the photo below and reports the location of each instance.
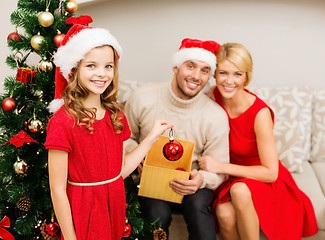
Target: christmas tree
(24, 196)
(25, 201)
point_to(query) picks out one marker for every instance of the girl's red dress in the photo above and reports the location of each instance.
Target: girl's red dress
(284, 211)
(98, 211)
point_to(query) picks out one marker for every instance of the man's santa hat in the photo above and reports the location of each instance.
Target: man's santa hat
(78, 41)
(194, 49)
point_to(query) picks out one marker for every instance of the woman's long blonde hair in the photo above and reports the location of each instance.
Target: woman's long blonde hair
(238, 55)
(75, 92)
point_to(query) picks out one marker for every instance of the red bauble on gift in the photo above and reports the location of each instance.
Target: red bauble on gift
(52, 228)
(180, 169)
(173, 150)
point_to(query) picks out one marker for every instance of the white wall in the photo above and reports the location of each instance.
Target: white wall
(6, 28)
(286, 37)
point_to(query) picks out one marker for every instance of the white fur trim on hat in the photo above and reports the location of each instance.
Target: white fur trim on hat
(200, 54)
(55, 105)
(68, 56)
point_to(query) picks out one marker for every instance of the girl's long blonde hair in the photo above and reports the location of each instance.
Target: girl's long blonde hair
(75, 92)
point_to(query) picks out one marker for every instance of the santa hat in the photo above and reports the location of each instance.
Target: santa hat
(194, 49)
(78, 41)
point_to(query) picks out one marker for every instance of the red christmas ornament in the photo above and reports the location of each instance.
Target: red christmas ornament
(13, 36)
(173, 150)
(58, 39)
(180, 169)
(127, 230)
(52, 228)
(9, 104)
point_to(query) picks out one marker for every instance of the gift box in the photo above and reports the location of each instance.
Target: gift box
(158, 172)
(26, 75)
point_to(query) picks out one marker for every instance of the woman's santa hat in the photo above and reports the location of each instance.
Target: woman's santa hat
(79, 40)
(194, 49)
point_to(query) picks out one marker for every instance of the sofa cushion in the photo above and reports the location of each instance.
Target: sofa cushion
(292, 126)
(318, 127)
(309, 183)
(319, 168)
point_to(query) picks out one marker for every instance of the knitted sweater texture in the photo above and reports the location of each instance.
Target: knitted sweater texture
(198, 119)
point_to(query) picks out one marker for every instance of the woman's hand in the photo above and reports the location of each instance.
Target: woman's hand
(210, 164)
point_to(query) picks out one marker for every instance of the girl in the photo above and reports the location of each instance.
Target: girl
(260, 191)
(85, 138)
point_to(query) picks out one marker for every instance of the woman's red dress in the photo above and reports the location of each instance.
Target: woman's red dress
(284, 211)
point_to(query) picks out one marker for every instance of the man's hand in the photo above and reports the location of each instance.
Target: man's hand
(140, 167)
(187, 187)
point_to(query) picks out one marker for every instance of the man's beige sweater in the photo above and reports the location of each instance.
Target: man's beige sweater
(199, 119)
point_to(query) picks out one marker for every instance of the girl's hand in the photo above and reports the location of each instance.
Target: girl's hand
(210, 164)
(158, 128)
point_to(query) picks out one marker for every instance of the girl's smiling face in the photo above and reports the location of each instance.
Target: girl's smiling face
(96, 70)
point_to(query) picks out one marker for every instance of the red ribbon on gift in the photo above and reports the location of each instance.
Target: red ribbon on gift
(26, 75)
(19, 139)
(4, 234)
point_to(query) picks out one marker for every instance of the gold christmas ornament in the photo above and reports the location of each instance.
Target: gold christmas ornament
(71, 6)
(34, 125)
(45, 18)
(45, 65)
(20, 166)
(36, 41)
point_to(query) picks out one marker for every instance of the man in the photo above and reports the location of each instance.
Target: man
(196, 118)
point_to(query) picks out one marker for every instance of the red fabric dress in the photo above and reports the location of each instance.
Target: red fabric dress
(98, 211)
(284, 211)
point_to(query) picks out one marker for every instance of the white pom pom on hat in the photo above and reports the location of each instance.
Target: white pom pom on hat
(194, 49)
(79, 40)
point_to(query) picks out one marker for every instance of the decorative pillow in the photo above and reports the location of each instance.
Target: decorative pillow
(292, 124)
(318, 127)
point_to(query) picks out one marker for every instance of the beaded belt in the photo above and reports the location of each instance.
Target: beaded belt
(99, 183)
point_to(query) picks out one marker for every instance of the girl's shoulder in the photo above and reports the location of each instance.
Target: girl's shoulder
(62, 117)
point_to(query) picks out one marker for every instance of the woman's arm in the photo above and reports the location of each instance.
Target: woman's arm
(268, 170)
(133, 159)
(58, 172)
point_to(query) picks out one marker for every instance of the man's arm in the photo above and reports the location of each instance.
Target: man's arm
(217, 145)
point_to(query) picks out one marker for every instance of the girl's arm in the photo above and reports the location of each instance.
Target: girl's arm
(58, 172)
(133, 159)
(268, 170)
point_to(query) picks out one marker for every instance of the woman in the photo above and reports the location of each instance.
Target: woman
(260, 191)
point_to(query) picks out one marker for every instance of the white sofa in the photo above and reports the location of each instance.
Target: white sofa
(300, 133)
